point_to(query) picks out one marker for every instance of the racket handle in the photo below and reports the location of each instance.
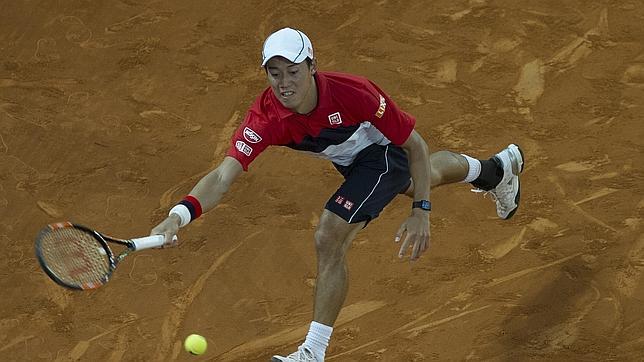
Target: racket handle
(152, 241)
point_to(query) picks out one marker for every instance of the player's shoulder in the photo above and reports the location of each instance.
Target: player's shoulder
(262, 102)
(345, 86)
(350, 89)
(346, 80)
(263, 108)
(263, 121)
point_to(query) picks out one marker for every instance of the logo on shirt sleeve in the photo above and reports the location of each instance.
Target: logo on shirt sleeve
(251, 136)
(243, 148)
(335, 118)
(383, 106)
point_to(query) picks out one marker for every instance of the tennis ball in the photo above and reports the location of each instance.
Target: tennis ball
(195, 344)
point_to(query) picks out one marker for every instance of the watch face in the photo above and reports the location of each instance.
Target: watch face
(423, 204)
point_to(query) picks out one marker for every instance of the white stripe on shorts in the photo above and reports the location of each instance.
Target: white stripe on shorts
(374, 187)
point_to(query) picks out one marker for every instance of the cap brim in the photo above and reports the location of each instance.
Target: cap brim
(289, 56)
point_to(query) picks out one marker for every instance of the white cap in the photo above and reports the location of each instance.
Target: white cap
(289, 43)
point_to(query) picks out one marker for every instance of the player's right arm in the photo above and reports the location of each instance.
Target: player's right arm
(252, 137)
(209, 191)
(212, 187)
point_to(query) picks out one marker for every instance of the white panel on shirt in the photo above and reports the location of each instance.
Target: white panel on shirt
(345, 152)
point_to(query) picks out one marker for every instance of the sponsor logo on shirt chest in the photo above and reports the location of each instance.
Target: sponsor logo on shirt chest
(335, 118)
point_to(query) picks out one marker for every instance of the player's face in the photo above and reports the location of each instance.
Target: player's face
(293, 84)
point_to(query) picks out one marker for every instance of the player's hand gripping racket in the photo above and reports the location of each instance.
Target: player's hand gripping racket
(78, 257)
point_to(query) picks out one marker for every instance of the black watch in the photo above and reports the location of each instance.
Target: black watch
(423, 204)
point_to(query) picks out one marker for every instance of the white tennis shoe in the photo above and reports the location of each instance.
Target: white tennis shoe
(303, 354)
(508, 192)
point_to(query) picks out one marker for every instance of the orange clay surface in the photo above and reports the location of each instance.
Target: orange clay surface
(110, 111)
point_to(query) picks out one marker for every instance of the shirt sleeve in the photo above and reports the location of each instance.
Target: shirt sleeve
(385, 115)
(250, 139)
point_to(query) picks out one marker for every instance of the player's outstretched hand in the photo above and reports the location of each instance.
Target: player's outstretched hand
(169, 228)
(416, 234)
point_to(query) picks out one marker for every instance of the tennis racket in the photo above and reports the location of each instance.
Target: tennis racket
(79, 258)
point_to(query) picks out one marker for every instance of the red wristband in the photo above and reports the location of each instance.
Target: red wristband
(193, 206)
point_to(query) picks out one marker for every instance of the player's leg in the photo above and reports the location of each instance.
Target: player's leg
(450, 167)
(370, 184)
(332, 240)
(498, 175)
(446, 168)
(333, 237)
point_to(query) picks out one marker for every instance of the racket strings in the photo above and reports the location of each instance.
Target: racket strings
(76, 257)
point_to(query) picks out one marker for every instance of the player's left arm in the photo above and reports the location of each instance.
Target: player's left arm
(416, 227)
(398, 127)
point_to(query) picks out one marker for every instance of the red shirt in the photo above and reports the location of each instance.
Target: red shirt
(352, 113)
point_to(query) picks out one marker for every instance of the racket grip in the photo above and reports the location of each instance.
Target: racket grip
(147, 242)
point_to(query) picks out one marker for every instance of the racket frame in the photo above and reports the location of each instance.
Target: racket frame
(100, 238)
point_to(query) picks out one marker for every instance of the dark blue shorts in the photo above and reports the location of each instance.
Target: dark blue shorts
(375, 177)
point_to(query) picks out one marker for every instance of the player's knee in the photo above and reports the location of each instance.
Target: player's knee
(327, 243)
(323, 238)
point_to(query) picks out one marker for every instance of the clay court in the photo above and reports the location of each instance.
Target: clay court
(110, 111)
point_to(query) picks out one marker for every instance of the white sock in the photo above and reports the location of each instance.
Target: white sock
(475, 168)
(318, 339)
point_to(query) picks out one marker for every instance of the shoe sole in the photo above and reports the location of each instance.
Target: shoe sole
(517, 198)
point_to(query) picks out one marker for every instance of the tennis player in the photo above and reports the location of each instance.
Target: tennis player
(350, 121)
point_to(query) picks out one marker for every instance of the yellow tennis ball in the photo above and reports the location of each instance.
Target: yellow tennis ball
(195, 344)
